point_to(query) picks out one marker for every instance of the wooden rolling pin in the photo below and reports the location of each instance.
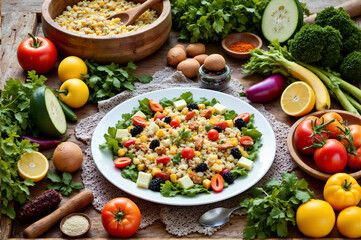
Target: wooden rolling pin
(76, 203)
(352, 7)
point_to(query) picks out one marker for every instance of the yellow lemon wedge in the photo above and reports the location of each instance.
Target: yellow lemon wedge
(298, 99)
(33, 166)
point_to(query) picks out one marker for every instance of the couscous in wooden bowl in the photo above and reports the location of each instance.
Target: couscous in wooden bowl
(120, 48)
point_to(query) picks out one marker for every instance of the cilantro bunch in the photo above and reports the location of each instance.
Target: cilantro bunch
(64, 185)
(274, 206)
(105, 81)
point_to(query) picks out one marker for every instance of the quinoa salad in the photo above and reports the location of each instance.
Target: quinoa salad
(183, 146)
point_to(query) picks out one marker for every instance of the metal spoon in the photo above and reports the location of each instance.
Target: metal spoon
(217, 216)
(129, 16)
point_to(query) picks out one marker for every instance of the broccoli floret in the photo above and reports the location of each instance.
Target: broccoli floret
(315, 44)
(340, 20)
(350, 68)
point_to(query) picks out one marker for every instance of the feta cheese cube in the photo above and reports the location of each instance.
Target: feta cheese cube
(185, 182)
(179, 105)
(220, 109)
(153, 127)
(144, 179)
(246, 163)
(121, 133)
(140, 114)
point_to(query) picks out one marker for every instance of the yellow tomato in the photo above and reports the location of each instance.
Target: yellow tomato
(72, 67)
(74, 93)
(315, 218)
(349, 222)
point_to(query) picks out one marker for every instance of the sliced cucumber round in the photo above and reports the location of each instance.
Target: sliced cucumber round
(47, 113)
(282, 19)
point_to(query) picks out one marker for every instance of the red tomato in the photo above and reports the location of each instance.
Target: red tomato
(244, 116)
(225, 170)
(164, 160)
(223, 125)
(156, 107)
(333, 127)
(139, 120)
(356, 134)
(128, 143)
(354, 161)
(122, 162)
(37, 53)
(302, 133)
(213, 134)
(217, 183)
(174, 123)
(121, 217)
(188, 153)
(332, 157)
(190, 115)
(162, 175)
(159, 116)
(246, 141)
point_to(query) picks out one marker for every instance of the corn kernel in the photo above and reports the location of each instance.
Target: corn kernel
(206, 183)
(170, 131)
(197, 153)
(216, 168)
(233, 141)
(212, 122)
(185, 111)
(147, 123)
(121, 152)
(143, 138)
(140, 167)
(165, 113)
(160, 133)
(155, 114)
(195, 134)
(173, 178)
(226, 155)
(168, 108)
(244, 154)
(130, 127)
(209, 149)
(151, 157)
(219, 161)
(178, 118)
(155, 171)
(189, 170)
(201, 106)
(173, 150)
(230, 123)
(136, 161)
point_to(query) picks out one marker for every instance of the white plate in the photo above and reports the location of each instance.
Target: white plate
(103, 158)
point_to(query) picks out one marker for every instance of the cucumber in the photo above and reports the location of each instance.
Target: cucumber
(282, 19)
(69, 114)
(47, 113)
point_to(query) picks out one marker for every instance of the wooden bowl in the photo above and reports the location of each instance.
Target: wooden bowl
(74, 214)
(242, 36)
(120, 48)
(306, 162)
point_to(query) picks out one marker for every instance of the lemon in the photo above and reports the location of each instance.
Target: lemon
(72, 67)
(298, 99)
(33, 165)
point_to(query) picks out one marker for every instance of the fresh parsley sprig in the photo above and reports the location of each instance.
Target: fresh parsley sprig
(65, 185)
(182, 134)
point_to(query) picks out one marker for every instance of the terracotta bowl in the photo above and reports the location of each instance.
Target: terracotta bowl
(242, 36)
(120, 48)
(306, 162)
(74, 214)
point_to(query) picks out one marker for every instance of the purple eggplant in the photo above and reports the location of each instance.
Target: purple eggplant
(43, 143)
(266, 90)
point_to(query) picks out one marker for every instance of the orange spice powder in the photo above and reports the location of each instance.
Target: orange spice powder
(241, 46)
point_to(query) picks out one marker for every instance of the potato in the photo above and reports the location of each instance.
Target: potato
(67, 157)
(181, 46)
(201, 58)
(189, 67)
(175, 55)
(195, 49)
(214, 62)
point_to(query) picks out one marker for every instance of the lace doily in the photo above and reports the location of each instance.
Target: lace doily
(179, 221)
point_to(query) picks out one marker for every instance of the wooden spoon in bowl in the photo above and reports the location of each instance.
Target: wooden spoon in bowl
(129, 16)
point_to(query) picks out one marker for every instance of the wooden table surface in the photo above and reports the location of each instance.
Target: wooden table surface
(21, 17)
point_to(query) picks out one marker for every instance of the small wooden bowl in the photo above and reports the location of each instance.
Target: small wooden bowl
(242, 36)
(306, 162)
(70, 215)
(120, 48)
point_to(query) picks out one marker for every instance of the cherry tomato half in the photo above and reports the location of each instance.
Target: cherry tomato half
(246, 141)
(164, 160)
(128, 143)
(122, 162)
(174, 123)
(190, 115)
(156, 107)
(223, 125)
(213, 134)
(332, 157)
(164, 176)
(188, 153)
(217, 183)
(244, 116)
(354, 161)
(139, 120)
(159, 116)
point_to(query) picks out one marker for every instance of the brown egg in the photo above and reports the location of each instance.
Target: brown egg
(181, 46)
(189, 67)
(175, 55)
(195, 49)
(67, 157)
(214, 62)
(201, 58)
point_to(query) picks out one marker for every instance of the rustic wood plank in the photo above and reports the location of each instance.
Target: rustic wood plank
(16, 26)
(21, 5)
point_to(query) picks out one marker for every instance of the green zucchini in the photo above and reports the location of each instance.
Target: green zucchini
(47, 113)
(282, 19)
(69, 114)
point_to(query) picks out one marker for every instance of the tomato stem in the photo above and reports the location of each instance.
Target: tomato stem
(119, 216)
(349, 145)
(36, 42)
(346, 186)
(318, 130)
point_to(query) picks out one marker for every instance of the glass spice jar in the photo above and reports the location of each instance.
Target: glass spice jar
(214, 80)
